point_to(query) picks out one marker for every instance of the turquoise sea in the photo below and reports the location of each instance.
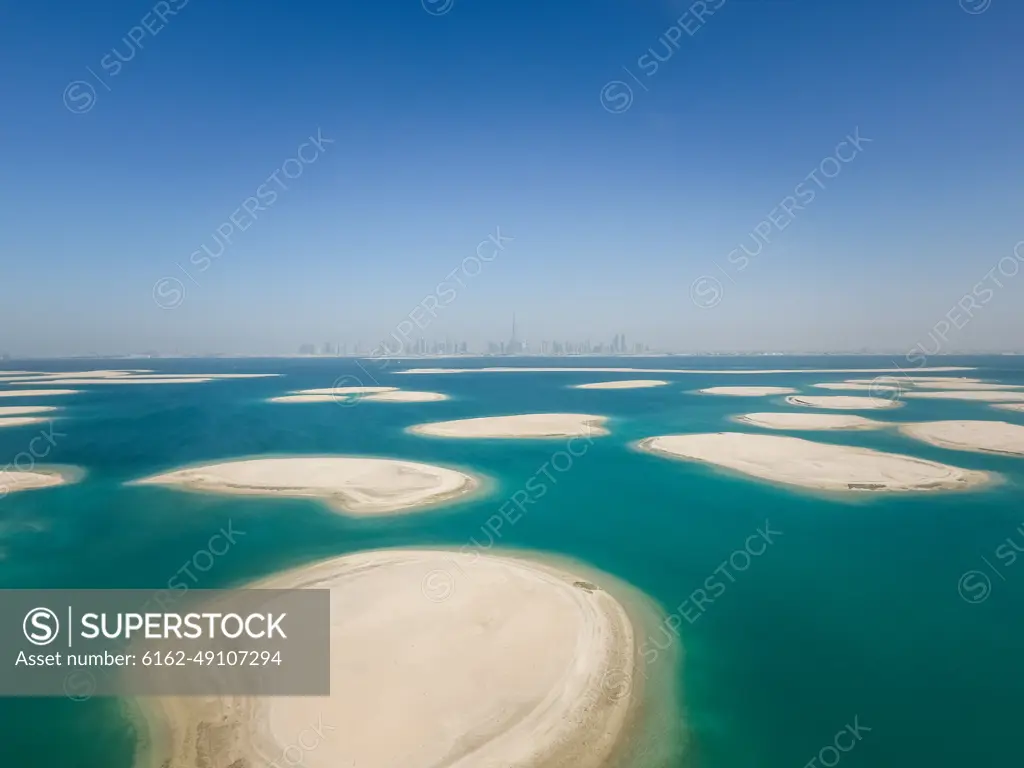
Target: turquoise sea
(852, 615)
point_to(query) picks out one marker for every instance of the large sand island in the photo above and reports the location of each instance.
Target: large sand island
(983, 436)
(627, 384)
(794, 461)
(843, 402)
(437, 659)
(810, 421)
(526, 425)
(12, 481)
(355, 485)
(747, 391)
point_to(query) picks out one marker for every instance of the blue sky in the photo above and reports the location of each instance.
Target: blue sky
(451, 121)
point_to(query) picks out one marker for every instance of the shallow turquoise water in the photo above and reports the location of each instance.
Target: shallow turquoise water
(852, 612)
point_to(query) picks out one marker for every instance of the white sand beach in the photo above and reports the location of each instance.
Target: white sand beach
(12, 480)
(360, 486)
(987, 396)
(822, 466)
(628, 384)
(404, 396)
(37, 392)
(737, 371)
(437, 659)
(843, 402)
(1016, 407)
(526, 425)
(811, 421)
(747, 391)
(982, 436)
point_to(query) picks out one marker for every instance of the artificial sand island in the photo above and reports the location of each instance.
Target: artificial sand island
(855, 386)
(988, 396)
(37, 392)
(354, 485)
(12, 481)
(811, 421)
(747, 391)
(982, 436)
(843, 402)
(437, 659)
(742, 371)
(361, 394)
(526, 425)
(404, 396)
(821, 466)
(1018, 407)
(628, 384)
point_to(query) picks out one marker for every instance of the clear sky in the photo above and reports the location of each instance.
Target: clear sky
(621, 151)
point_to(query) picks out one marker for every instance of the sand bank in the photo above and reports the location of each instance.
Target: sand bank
(37, 392)
(810, 421)
(988, 396)
(898, 379)
(437, 659)
(527, 425)
(747, 391)
(984, 436)
(404, 396)
(12, 480)
(794, 461)
(854, 386)
(20, 421)
(738, 371)
(116, 380)
(966, 385)
(843, 402)
(355, 485)
(25, 410)
(629, 384)
(1018, 407)
(329, 394)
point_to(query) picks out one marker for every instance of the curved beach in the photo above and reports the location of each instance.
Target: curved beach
(355, 485)
(810, 421)
(628, 384)
(821, 466)
(747, 391)
(437, 659)
(843, 402)
(982, 436)
(525, 425)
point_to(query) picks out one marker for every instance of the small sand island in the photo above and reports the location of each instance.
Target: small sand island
(354, 485)
(855, 386)
(843, 402)
(810, 421)
(739, 371)
(628, 384)
(747, 391)
(1018, 407)
(12, 481)
(361, 394)
(982, 436)
(437, 659)
(526, 425)
(822, 466)
(22, 415)
(404, 396)
(37, 392)
(988, 396)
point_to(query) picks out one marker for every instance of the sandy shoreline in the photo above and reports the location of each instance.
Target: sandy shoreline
(843, 402)
(628, 384)
(997, 437)
(515, 662)
(820, 466)
(526, 425)
(358, 486)
(747, 391)
(12, 481)
(810, 421)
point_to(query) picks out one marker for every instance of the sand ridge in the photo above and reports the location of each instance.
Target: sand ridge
(525, 425)
(808, 464)
(747, 391)
(514, 663)
(811, 421)
(360, 486)
(997, 437)
(843, 402)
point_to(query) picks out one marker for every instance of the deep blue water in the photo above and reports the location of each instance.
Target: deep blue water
(853, 611)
